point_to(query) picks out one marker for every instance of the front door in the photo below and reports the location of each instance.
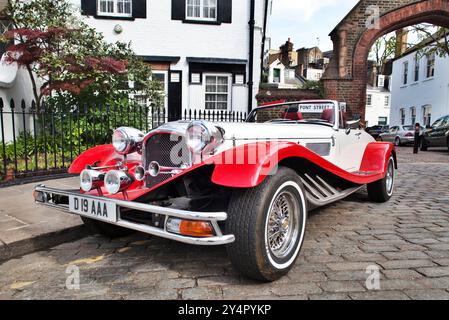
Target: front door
(174, 95)
(350, 149)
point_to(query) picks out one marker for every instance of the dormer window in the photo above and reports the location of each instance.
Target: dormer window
(201, 10)
(114, 8)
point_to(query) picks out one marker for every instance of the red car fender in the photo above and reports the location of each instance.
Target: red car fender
(376, 156)
(103, 155)
(252, 163)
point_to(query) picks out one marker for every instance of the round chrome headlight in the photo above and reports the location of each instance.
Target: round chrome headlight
(203, 137)
(116, 181)
(126, 140)
(91, 179)
(85, 181)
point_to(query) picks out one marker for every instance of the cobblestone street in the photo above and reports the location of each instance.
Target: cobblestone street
(407, 238)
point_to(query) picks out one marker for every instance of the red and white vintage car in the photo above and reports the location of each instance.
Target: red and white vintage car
(248, 186)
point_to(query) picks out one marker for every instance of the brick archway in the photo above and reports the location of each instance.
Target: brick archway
(345, 79)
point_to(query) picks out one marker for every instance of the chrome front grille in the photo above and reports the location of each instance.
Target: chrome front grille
(169, 150)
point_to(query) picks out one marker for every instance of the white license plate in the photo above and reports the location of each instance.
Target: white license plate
(92, 208)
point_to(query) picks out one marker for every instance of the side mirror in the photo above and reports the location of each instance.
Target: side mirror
(353, 124)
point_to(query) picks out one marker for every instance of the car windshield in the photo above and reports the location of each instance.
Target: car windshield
(314, 112)
(408, 128)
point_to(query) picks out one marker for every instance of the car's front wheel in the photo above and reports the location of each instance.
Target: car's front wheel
(382, 190)
(397, 142)
(268, 222)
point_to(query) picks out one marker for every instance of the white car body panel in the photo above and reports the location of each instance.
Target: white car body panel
(347, 147)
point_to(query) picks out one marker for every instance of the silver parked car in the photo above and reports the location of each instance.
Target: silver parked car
(399, 135)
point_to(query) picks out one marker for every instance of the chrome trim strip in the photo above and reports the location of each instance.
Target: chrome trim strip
(212, 217)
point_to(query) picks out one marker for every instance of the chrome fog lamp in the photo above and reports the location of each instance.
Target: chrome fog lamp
(154, 169)
(203, 137)
(139, 173)
(126, 140)
(91, 179)
(116, 181)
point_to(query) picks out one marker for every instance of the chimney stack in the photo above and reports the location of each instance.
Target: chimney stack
(287, 52)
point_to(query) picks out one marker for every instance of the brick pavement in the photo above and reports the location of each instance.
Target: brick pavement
(407, 239)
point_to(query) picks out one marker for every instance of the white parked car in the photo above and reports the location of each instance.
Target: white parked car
(248, 186)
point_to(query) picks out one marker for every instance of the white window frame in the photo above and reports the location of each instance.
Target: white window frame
(405, 66)
(141, 96)
(229, 92)
(378, 121)
(413, 115)
(369, 100)
(430, 67)
(115, 13)
(165, 91)
(416, 69)
(402, 115)
(427, 115)
(201, 5)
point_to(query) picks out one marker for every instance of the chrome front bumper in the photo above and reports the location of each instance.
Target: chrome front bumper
(213, 217)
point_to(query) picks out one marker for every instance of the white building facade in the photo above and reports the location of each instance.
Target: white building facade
(378, 101)
(420, 89)
(207, 53)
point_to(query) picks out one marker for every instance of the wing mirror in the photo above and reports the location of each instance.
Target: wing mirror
(354, 124)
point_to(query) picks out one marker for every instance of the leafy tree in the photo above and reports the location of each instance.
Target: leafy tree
(432, 39)
(314, 85)
(67, 59)
(382, 51)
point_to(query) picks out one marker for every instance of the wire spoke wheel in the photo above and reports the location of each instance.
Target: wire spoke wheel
(283, 224)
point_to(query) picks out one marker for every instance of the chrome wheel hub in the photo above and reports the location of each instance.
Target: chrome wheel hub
(282, 224)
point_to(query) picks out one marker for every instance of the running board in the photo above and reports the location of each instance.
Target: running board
(320, 193)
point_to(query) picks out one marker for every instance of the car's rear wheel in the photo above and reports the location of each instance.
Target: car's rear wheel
(382, 190)
(397, 142)
(424, 145)
(268, 222)
(106, 229)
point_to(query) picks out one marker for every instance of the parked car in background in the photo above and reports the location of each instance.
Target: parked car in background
(376, 131)
(436, 135)
(247, 185)
(399, 135)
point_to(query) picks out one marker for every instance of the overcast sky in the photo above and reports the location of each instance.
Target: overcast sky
(306, 20)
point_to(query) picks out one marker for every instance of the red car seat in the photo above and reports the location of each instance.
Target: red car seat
(293, 115)
(328, 115)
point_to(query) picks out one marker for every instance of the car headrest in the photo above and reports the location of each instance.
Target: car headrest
(328, 115)
(293, 115)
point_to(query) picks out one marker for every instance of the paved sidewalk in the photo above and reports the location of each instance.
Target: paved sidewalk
(26, 227)
(406, 238)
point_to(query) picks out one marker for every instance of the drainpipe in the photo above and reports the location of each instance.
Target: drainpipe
(251, 23)
(264, 37)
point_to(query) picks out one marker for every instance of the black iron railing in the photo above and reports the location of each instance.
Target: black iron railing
(45, 141)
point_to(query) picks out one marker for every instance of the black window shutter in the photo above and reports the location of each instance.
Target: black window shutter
(225, 11)
(178, 9)
(140, 9)
(89, 7)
